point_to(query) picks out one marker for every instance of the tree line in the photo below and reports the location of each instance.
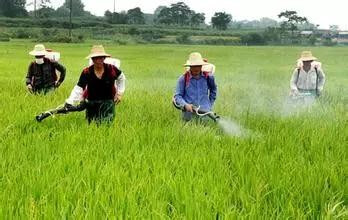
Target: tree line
(177, 14)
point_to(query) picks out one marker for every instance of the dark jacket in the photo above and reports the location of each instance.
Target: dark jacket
(44, 76)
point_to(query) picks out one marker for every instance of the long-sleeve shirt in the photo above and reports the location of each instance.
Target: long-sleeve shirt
(44, 75)
(112, 81)
(311, 80)
(198, 91)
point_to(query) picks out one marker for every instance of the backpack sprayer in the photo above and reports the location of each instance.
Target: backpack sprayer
(201, 113)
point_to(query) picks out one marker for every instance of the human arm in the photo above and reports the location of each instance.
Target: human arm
(179, 95)
(293, 82)
(62, 71)
(120, 85)
(212, 89)
(321, 80)
(76, 94)
(29, 79)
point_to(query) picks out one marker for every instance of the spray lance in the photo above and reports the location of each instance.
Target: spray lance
(201, 113)
(62, 109)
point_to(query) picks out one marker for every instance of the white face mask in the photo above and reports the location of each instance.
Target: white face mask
(39, 61)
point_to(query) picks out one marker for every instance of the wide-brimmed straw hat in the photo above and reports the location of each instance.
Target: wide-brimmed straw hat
(97, 51)
(307, 56)
(39, 50)
(195, 59)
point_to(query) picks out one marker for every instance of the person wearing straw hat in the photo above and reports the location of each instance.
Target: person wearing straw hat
(41, 76)
(100, 86)
(308, 76)
(195, 87)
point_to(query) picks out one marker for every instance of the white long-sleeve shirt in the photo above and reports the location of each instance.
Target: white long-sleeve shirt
(311, 80)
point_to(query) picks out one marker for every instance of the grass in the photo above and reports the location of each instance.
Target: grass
(148, 164)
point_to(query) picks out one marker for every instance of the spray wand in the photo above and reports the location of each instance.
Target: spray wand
(201, 113)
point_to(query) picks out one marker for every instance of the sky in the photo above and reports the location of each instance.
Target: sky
(322, 12)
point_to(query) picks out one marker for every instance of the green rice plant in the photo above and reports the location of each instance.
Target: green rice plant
(149, 164)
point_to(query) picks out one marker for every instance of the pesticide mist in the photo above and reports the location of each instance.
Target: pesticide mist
(232, 128)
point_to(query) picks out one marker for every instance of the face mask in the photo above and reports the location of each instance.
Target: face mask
(39, 61)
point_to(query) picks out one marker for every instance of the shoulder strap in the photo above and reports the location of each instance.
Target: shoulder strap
(186, 78)
(317, 80)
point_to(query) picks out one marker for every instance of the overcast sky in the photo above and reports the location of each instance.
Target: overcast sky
(322, 12)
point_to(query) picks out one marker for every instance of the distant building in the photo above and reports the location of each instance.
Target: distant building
(306, 33)
(342, 37)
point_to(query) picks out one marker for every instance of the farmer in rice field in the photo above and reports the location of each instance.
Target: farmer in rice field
(308, 76)
(99, 88)
(41, 76)
(196, 87)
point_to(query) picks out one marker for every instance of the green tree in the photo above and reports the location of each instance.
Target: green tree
(292, 21)
(158, 10)
(77, 7)
(46, 12)
(13, 8)
(135, 16)
(62, 12)
(164, 16)
(197, 19)
(220, 20)
(180, 13)
(115, 18)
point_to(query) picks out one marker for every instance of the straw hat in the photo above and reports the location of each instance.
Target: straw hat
(39, 50)
(195, 59)
(97, 51)
(307, 56)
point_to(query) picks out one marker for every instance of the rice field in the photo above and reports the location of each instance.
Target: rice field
(268, 161)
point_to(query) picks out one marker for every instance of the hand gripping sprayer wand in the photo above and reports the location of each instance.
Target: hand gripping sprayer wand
(201, 113)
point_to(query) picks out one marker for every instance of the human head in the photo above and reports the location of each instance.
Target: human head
(195, 70)
(195, 62)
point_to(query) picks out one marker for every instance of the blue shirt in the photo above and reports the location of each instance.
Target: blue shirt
(197, 92)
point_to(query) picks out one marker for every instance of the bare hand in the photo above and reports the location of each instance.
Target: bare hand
(30, 88)
(188, 108)
(117, 98)
(294, 92)
(57, 84)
